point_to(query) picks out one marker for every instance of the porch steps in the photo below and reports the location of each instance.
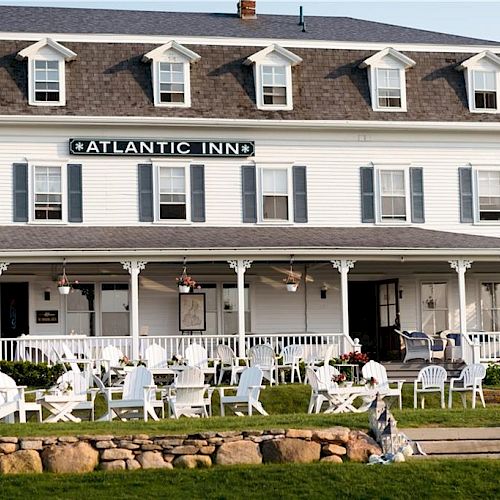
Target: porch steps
(409, 371)
(458, 442)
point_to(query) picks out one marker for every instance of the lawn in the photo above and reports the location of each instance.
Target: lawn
(287, 405)
(437, 479)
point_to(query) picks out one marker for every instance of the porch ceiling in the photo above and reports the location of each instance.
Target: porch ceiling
(98, 240)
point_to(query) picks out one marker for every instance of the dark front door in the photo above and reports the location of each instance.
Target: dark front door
(373, 316)
(14, 309)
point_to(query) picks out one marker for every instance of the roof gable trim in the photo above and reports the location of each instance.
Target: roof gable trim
(33, 49)
(292, 58)
(486, 54)
(171, 45)
(405, 61)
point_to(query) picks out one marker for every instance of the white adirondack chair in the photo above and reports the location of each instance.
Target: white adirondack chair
(383, 384)
(247, 394)
(12, 401)
(229, 362)
(470, 379)
(430, 379)
(291, 356)
(110, 357)
(320, 381)
(196, 355)
(155, 357)
(138, 397)
(187, 396)
(263, 357)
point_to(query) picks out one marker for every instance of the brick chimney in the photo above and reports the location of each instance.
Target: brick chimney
(246, 9)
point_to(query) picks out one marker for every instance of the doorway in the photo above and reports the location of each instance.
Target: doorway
(14, 311)
(373, 316)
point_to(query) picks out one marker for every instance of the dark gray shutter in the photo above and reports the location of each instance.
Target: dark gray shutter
(417, 194)
(197, 193)
(249, 193)
(367, 195)
(75, 203)
(146, 192)
(300, 194)
(466, 198)
(20, 175)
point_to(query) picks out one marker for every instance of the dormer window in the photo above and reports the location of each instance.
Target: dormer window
(46, 72)
(387, 79)
(171, 70)
(273, 77)
(482, 81)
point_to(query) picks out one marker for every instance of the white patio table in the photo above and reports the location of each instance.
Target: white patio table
(61, 407)
(341, 399)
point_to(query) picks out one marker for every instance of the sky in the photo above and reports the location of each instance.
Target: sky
(478, 19)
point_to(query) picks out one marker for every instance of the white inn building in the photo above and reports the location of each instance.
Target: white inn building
(360, 158)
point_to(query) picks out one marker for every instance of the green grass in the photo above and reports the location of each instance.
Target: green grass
(439, 479)
(287, 405)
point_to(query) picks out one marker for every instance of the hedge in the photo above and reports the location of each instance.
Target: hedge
(39, 375)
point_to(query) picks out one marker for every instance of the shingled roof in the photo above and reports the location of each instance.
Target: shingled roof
(52, 238)
(66, 20)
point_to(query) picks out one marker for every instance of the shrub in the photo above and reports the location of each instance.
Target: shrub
(492, 374)
(32, 374)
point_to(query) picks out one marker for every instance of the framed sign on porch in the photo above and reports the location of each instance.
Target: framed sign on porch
(192, 312)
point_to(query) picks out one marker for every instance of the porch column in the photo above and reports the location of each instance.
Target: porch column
(461, 266)
(343, 266)
(134, 267)
(3, 267)
(240, 266)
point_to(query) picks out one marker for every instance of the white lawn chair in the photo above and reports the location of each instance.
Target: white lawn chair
(110, 357)
(291, 356)
(188, 396)
(138, 397)
(320, 381)
(229, 362)
(431, 379)
(12, 401)
(247, 394)
(470, 379)
(263, 357)
(156, 357)
(196, 355)
(383, 385)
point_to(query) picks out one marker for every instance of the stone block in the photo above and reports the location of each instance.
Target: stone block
(8, 447)
(290, 450)
(192, 462)
(116, 454)
(21, 462)
(299, 433)
(238, 452)
(114, 465)
(70, 458)
(153, 460)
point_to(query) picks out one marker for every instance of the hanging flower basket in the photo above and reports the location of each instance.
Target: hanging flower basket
(185, 283)
(291, 281)
(292, 287)
(64, 290)
(184, 288)
(64, 285)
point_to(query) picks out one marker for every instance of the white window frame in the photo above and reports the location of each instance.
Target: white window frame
(496, 76)
(374, 88)
(378, 194)
(62, 80)
(64, 192)
(260, 194)
(259, 84)
(476, 194)
(422, 299)
(480, 64)
(100, 310)
(156, 194)
(172, 59)
(481, 281)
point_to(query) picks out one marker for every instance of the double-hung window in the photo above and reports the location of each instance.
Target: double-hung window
(274, 85)
(434, 307)
(171, 81)
(488, 186)
(393, 205)
(490, 306)
(275, 194)
(388, 88)
(172, 193)
(485, 90)
(48, 191)
(47, 81)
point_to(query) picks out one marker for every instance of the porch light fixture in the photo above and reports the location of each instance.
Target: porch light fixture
(291, 281)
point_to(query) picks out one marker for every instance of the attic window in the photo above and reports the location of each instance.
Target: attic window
(274, 85)
(389, 88)
(172, 85)
(485, 90)
(47, 82)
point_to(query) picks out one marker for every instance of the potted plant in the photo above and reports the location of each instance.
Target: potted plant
(185, 283)
(291, 280)
(64, 285)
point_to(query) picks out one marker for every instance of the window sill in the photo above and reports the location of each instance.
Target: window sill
(47, 104)
(390, 110)
(173, 222)
(277, 223)
(486, 111)
(50, 223)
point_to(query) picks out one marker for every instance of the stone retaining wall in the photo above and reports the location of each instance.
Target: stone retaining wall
(70, 454)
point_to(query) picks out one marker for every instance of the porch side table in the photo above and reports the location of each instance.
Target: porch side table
(354, 369)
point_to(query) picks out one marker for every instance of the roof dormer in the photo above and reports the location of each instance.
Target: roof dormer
(387, 79)
(46, 72)
(273, 77)
(171, 71)
(482, 81)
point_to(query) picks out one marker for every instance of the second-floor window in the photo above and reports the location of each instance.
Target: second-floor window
(48, 193)
(172, 193)
(488, 182)
(47, 81)
(274, 86)
(275, 198)
(171, 81)
(388, 88)
(485, 90)
(393, 195)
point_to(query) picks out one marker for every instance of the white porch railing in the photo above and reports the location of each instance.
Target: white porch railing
(49, 349)
(484, 345)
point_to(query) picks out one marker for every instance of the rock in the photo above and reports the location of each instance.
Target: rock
(103, 445)
(196, 442)
(238, 452)
(129, 446)
(153, 460)
(333, 459)
(170, 442)
(116, 454)
(184, 450)
(169, 458)
(67, 439)
(151, 447)
(361, 446)
(290, 450)
(21, 462)
(8, 447)
(31, 445)
(102, 438)
(333, 449)
(70, 458)
(133, 464)
(143, 441)
(141, 436)
(207, 450)
(299, 433)
(49, 440)
(253, 433)
(277, 431)
(192, 461)
(114, 465)
(228, 434)
(261, 439)
(336, 434)
(8, 440)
